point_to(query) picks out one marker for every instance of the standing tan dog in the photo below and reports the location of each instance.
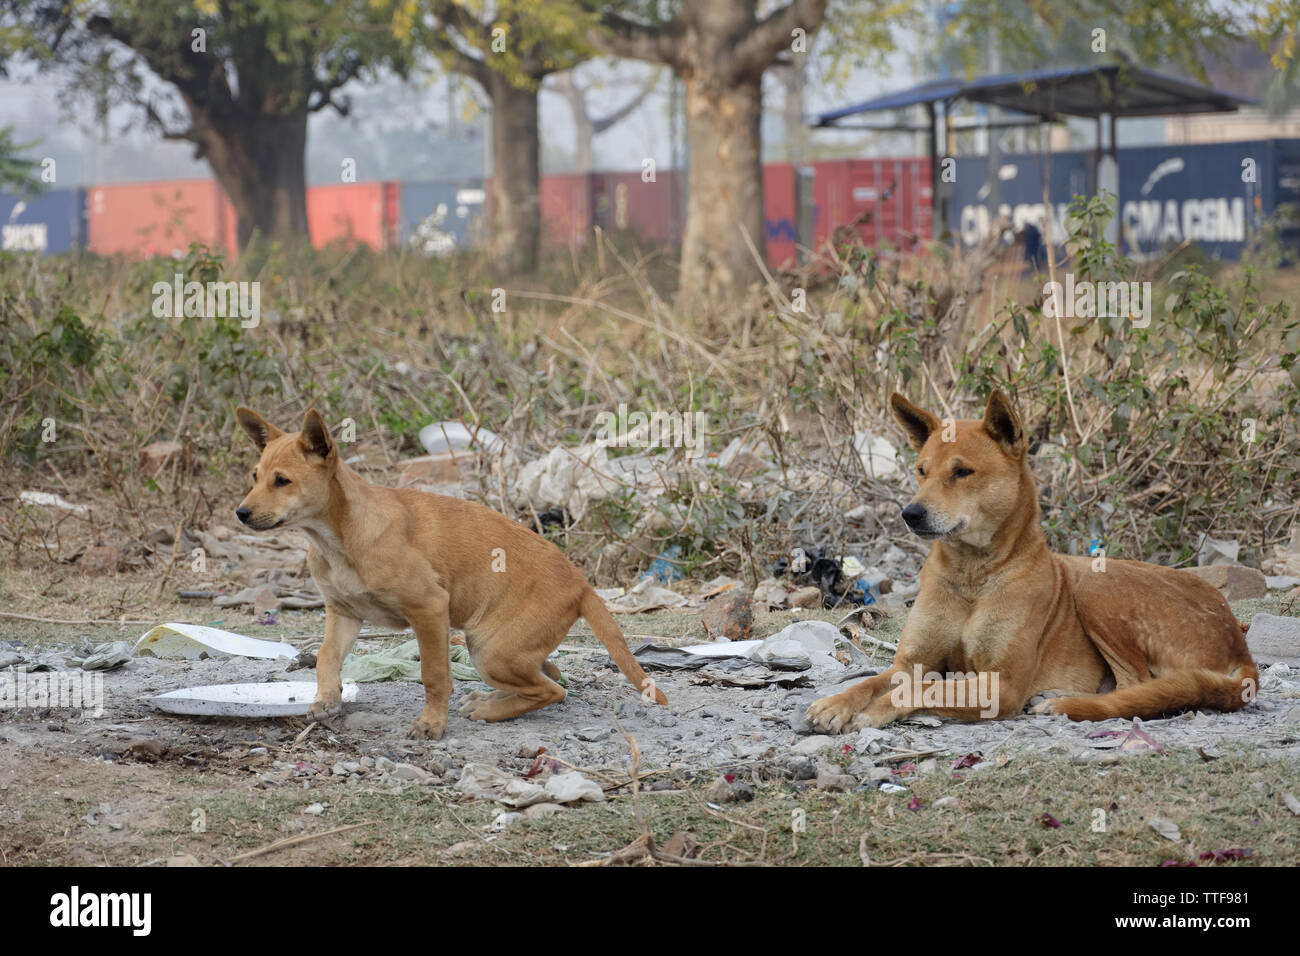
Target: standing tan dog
(405, 557)
(1118, 638)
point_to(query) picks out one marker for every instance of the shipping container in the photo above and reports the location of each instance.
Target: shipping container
(353, 213)
(781, 214)
(1217, 195)
(626, 202)
(567, 209)
(439, 218)
(53, 222)
(148, 219)
(886, 201)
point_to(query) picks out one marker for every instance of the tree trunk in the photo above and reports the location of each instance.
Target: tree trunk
(260, 163)
(726, 190)
(516, 170)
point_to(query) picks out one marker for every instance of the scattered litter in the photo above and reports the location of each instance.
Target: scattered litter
(645, 597)
(450, 436)
(194, 642)
(315, 809)
(1166, 828)
(1222, 856)
(893, 788)
(403, 663)
(1049, 822)
(46, 500)
(1216, 551)
(273, 699)
(1292, 803)
(1135, 739)
(667, 567)
(572, 787)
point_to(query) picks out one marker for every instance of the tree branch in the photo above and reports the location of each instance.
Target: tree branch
(774, 34)
(620, 114)
(620, 36)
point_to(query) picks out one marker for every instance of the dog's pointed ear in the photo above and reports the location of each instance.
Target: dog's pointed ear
(258, 428)
(1003, 424)
(917, 422)
(315, 438)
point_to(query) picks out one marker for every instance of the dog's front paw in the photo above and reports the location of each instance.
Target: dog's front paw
(325, 709)
(1046, 702)
(427, 729)
(836, 715)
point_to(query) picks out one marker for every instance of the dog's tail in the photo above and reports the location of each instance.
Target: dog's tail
(602, 622)
(1181, 690)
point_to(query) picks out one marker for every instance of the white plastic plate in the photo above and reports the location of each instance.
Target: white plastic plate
(274, 699)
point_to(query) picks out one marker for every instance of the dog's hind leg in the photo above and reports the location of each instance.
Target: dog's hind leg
(518, 668)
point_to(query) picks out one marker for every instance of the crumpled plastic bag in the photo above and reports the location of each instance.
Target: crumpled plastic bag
(403, 663)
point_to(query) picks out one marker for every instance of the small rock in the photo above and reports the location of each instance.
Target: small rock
(529, 748)
(101, 560)
(801, 768)
(315, 809)
(1274, 640)
(384, 765)
(461, 848)
(160, 454)
(265, 601)
(944, 802)
(1166, 828)
(730, 791)
(406, 771)
(1234, 582)
(814, 744)
(730, 615)
(540, 810)
(183, 859)
(806, 597)
(828, 779)
(1292, 803)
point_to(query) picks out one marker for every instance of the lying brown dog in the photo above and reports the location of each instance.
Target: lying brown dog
(1013, 620)
(408, 558)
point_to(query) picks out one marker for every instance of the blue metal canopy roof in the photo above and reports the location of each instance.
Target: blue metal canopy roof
(1116, 89)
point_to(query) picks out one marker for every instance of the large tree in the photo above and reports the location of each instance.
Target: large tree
(508, 47)
(239, 79)
(720, 50)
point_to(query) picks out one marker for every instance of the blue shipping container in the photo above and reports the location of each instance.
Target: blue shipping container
(53, 222)
(1216, 195)
(438, 218)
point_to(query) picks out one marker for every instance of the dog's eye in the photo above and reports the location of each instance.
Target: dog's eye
(961, 472)
(920, 471)
(281, 481)
(254, 477)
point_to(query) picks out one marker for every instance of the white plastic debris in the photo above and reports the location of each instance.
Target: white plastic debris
(1216, 551)
(448, 436)
(275, 699)
(572, 787)
(879, 456)
(813, 641)
(47, 500)
(194, 641)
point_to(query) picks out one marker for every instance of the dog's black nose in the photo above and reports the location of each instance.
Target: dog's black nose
(243, 514)
(913, 515)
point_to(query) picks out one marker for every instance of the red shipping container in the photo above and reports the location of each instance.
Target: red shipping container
(147, 219)
(626, 202)
(885, 200)
(353, 213)
(567, 209)
(780, 214)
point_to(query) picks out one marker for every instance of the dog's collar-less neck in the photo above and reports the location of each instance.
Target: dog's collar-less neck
(328, 530)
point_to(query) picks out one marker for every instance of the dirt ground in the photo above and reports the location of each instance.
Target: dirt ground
(136, 786)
